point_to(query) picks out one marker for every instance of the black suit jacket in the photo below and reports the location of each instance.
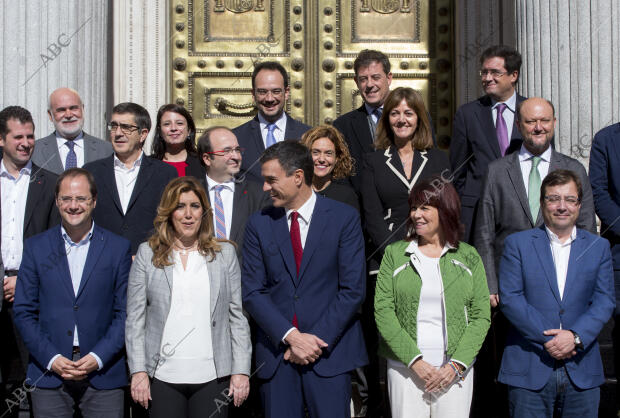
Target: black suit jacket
(247, 199)
(473, 146)
(137, 224)
(250, 138)
(385, 192)
(41, 211)
(194, 167)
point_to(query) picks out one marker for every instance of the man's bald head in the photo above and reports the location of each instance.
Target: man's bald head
(536, 120)
(66, 112)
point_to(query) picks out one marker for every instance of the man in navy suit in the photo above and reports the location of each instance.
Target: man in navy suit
(303, 282)
(70, 308)
(605, 181)
(556, 289)
(270, 91)
(485, 129)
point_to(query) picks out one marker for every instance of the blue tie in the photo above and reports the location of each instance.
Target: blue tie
(378, 112)
(220, 220)
(271, 139)
(71, 161)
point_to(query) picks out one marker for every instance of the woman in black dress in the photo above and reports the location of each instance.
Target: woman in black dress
(332, 164)
(174, 141)
(404, 155)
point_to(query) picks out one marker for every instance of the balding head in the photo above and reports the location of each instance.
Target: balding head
(65, 110)
(536, 120)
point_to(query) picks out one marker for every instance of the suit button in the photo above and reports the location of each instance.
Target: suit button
(75, 308)
(296, 297)
(213, 323)
(125, 228)
(561, 311)
(69, 333)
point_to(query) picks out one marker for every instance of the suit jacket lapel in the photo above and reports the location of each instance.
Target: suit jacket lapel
(283, 240)
(214, 270)
(96, 248)
(144, 175)
(109, 183)
(51, 153)
(516, 177)
(485, 117)
(575, 261)
(239, 210)
(313, 239)
(396, 166)
(35, 191)
(362, 129)
(90, 150)
(543, 251)
(58, 261)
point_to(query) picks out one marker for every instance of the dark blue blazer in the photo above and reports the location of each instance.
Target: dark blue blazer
(530, 299)
(605, 180)
(327, 295)
(250, 138)
(47, 309)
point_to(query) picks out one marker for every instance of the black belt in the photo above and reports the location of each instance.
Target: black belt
(10, 273)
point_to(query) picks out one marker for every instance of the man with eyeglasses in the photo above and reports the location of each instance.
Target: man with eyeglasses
(232, 200)
(484, 129)
(68, 146)
(27, 199)
(557, 291)
(270, 91)
(130, 182)
(70, 308)
(510, 203)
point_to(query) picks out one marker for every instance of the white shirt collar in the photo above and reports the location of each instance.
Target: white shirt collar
(305, 211)
(78, 140)
(230, 184)
(120, 164)
(280, 123)
(413, 248)
(26, 170)
(524, 154)
(511, 103)
(69, 241)
(554, 238)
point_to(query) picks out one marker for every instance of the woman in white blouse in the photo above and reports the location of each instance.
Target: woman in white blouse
(187, 338)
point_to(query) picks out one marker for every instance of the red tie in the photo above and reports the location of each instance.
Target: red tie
(297, 249)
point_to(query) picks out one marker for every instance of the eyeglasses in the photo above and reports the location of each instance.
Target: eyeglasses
(80, 200)
(127, 129)
(264, 92)
(554, 199)
(227, 151)
(494, 73)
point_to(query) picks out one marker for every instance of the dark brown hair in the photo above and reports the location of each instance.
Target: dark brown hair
(438, 192)
(344, 162)
(158, 149)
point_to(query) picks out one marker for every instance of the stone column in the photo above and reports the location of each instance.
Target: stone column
(570, 52)
(51, 44)
(141, 50)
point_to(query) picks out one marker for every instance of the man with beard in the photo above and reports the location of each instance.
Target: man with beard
(510, 203)
(69, 146)
(270, 91)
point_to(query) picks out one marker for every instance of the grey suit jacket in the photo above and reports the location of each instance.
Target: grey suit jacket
(148, 304)
(504, 208)
(46, 153)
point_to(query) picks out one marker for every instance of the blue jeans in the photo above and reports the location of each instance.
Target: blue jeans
(558, 398)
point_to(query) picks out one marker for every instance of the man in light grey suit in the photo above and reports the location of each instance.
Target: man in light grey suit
(69, 146)
(505, 205)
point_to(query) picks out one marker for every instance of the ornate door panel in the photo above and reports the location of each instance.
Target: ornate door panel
(215, 44)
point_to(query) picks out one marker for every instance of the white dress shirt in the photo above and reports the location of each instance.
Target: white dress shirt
(304, 218)
(63, 150)
(227, 194)
(77, 252)
(508, 114)
(561, 253)
(14, 196)
(525, 161)
(126, 179)
(278, 133)
(186, 344)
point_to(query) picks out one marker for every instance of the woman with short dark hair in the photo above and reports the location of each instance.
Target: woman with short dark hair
(431, 308)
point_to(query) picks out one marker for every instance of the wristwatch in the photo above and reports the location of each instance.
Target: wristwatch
(578, 343)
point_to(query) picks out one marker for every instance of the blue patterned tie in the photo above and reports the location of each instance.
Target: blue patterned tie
(378, 112)
(271, 139)
(71, 161)
(220, 220)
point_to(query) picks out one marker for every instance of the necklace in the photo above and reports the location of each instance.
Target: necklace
(185, 250)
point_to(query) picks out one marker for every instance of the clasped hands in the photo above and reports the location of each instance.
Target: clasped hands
(435, 379)
(562, 345)
(74, 370)
(303, 348)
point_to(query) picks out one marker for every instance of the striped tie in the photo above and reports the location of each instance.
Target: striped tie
(220, 220)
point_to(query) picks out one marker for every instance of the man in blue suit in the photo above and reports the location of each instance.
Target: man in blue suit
(556, 289)
(70, 308)
(303, 281)
(270, 91)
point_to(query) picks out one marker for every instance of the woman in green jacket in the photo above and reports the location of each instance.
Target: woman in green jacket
(432, 308)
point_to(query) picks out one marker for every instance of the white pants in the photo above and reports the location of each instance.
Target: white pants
(408, 398)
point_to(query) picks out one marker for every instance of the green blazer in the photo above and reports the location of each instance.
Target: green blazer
(466, 300)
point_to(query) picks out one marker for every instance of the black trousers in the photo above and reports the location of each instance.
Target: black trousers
(171, 400)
